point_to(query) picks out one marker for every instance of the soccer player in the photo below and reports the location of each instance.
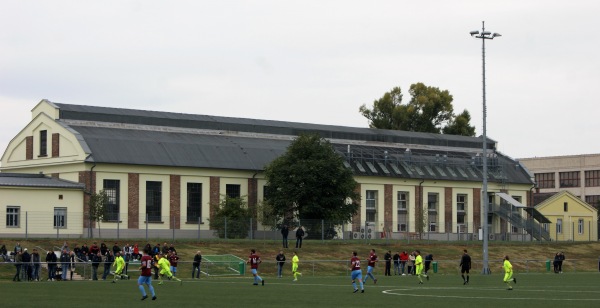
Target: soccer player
(356, 273)
(164, 267)
(419, 267)
(465, 266)
(146, 275)
(508, 273)
(295, 261)
(120, 265)
(371, 265)
(254, 260)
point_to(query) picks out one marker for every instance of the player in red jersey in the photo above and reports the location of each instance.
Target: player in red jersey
(146, 275)
(254, 261)
(371, 265)
(356, 273)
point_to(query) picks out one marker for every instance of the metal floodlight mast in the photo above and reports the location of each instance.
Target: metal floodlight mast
(484, 35)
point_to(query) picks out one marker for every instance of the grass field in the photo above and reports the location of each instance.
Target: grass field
(532, 290)
(326, 281)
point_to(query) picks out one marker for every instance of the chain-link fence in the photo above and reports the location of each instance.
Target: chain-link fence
(61, 224)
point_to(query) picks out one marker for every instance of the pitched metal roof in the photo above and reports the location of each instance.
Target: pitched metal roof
(125, 136)
(36, 180)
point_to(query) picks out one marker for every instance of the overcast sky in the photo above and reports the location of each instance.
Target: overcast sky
(311, 61)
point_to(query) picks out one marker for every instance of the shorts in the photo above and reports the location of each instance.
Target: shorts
(508, 276)
(165, 272)
(145, 279)
(356, 274)
(370, 269)
(464, 270)
(254, 271)
(294, 267)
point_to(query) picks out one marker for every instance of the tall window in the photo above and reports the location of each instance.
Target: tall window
(371, 202)
(593, 200)
(43, 143)
(545, 180)
(194, 202)
(569, 179)
(154, 201)
(559, 225)
(112, 190)
(12, 216)
(60, 217)
(233, 190)
(461, 211)
(432, 210)
(580, 226)
(402, 211)
(592, 178)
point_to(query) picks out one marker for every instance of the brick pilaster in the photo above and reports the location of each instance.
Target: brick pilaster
(29, 148)
(448, 209)
(175, 201)
(215, 186)
(55, 145)
(388, 207)
(133, 203)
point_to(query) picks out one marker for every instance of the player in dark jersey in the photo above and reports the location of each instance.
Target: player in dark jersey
(254, 260)
(465, 266)
(371, 265)
(356, 273)
(146, 275)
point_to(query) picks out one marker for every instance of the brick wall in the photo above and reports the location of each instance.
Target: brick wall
(55, 145)
(448, 208)
(29, 148)
(133, 203)
(215, 186)
(253, 196)
(388, 206)
(88, 178)
(175, 202)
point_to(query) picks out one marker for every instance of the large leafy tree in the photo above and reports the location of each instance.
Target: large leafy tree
(232, 218)
(429, 110)
(310, 182)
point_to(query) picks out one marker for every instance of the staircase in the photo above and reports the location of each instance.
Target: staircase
(530, 226)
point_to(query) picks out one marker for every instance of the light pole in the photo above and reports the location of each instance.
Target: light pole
(484, 35)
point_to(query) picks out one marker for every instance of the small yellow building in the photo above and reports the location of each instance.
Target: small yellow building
(572, 219)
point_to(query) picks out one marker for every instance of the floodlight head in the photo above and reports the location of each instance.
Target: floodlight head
(473, 33)
(496, 35)
(486, 33)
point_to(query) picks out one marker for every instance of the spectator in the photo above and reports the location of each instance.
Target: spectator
(4, 253)
(116, 249)
(411, 263)
(172, 248)
(64, 264)
(136, 252)
(428, 259)
(196, 264)
(165, 249)
(103, 249)
(65, 246)
(556, 261)
(285, 231)
(109, 258)
(94, 249)
(72, 261)
(85, 251)
(388, 263)
(156, 250)
(299, 236)
(280, 258)
(396, 259)
(25, 269)
(403, 260)
(18, 264)
(127, 256)
(35, 265)
(96, 260)
(51, 261)
(17, 249)
(77, 251)
(560, 262)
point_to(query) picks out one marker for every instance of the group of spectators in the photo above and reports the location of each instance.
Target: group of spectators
(404, 263)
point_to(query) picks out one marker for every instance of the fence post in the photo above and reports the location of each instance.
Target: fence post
(199, 221)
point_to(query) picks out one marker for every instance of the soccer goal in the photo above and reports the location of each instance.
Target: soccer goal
(223, 265)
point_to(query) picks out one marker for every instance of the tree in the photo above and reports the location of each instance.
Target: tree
(310, 182)
(430, 110)
(232, 218)
(97, 208)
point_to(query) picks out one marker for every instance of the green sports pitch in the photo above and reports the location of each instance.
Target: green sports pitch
(532, 290)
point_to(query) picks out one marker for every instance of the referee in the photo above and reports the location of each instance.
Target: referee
(465, 266)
